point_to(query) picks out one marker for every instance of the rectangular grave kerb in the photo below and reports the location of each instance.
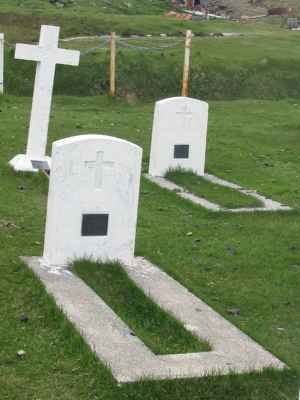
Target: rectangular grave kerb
(129, 359)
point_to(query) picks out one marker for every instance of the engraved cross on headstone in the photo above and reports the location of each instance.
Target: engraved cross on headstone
(186, 114)
(99, 164)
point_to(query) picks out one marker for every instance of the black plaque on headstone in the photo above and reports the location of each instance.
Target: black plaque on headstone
(94, 225)
(181, 151)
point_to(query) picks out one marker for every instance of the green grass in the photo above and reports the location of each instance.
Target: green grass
(25, 25)
(263, 64)
(248, 262)
(223, 196)
(132, 7)
(87, 7)
(162, 333)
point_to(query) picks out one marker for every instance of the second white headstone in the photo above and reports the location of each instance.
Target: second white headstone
(179, 136)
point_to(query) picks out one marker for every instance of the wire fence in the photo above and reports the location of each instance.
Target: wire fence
(104, 43)
(123, 43)
(127, 68)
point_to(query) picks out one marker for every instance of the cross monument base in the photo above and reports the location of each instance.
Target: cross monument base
(23, 162)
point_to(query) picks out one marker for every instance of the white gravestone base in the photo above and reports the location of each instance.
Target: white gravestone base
(23, 162)
(129, 359)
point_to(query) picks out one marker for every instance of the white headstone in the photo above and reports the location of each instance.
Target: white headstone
(47, 55)
(178, 135)
(1, 63)
(93, 200)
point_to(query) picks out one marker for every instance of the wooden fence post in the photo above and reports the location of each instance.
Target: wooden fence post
(112, 76)
(186, 68)
(1, 63)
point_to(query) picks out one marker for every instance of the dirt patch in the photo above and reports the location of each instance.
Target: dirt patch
(236, 8)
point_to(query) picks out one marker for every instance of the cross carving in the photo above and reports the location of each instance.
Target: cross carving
(99, 164)
(186, 115)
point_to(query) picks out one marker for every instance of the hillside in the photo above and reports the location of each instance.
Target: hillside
(248, 7)
(84, 7)
(137, 7)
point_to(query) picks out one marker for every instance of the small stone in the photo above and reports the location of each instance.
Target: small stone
(189, 234)
(296, 266)
(21, 354)
(294, 247)
(234, 311)
(24, 318)
(231, 250)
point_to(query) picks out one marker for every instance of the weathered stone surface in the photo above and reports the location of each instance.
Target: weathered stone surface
(93, 200)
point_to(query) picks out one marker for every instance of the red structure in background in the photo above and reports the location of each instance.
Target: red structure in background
(282, 11)
(200, 5)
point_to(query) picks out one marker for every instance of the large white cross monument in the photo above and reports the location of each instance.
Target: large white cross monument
(47, 55)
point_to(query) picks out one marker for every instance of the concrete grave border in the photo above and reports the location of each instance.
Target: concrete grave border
(268, 204)
(125, 354)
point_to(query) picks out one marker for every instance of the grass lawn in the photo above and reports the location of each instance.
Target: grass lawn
(88, 7)
(158, 330)
(23, 24)
(223, 196)
(251, 262)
